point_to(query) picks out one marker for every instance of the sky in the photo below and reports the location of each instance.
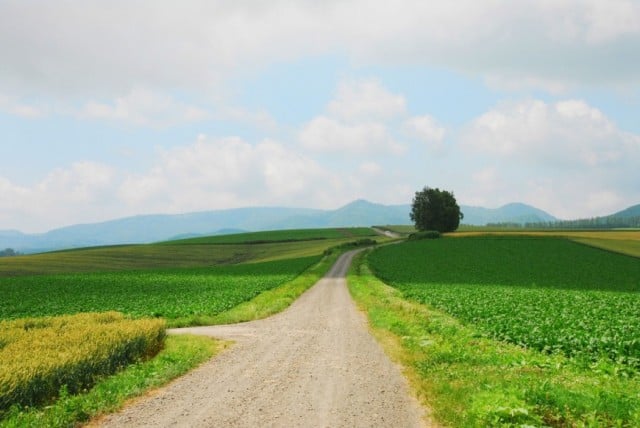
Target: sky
(119, 108)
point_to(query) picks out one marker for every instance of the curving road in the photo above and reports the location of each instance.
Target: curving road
(313, 365)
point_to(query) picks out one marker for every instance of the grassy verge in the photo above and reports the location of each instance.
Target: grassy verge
(470, 381)
(181, 354)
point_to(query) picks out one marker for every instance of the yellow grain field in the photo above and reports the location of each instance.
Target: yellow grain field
(39, 356)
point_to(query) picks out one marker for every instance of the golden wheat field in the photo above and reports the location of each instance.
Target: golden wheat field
(40, 355)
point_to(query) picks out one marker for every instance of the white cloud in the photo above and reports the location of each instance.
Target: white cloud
(79, 193)
(365, 100)
(370, 168)
(96, 49)
(357, 122)
(566, 157)
(569, 133)
(324, 134)
(607, 21)
(260, 119)
(228, 172)
(427, 130)
(210, 173)
(80, 184)
(144, 107)
(12, 107)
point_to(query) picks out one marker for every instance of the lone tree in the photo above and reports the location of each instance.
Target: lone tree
(435, 209)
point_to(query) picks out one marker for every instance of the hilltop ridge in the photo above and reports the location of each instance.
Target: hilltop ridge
(159, 227)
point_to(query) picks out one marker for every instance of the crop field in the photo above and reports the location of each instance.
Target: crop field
(282, 236)
(46, 295)
(619, 241)
(402, 229)
(40, 355)
(630, 247)
(181, 254)
(169, 293)
(549, 294)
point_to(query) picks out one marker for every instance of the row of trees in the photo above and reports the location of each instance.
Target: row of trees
(8, 252)
(587, 223)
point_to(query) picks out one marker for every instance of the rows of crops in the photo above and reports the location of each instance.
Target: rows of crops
(40, 355)
(550, 294)
(282, 236)
(161, 293)
(160, 256)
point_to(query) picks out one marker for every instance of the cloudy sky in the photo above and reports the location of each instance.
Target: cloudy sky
(110, 109)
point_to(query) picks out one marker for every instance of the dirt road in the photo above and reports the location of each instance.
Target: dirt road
(313, 365)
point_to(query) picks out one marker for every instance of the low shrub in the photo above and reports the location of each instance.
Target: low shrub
(364, 242)
(427, 234)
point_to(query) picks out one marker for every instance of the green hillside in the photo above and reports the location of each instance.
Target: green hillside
(633, 211)
(189, 253)
(281, 236)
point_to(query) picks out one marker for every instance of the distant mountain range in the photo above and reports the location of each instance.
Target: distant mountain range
(153, 228)
(510, 213)
(633, 211)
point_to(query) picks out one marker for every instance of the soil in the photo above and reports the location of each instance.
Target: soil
(313, 365)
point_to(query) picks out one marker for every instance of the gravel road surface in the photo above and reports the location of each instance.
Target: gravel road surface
(313, 365)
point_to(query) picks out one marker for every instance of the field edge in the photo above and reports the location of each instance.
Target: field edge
(465, 379)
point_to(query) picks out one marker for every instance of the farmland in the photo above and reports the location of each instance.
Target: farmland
(185, 283)
(510, 330)
(191, 253)
(171, 294)
(624, 241)
(281, 236)
(619, 241)
(40, 355)
(549, 294)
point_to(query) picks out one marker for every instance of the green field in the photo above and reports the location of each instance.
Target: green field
(191, 282)
(549, 294)
(624, 241)
(172, 293)
(192, 253)
(401, 229)
(282, 236)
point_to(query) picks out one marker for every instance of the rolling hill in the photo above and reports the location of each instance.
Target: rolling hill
(510, 213)
(633, 211)
(153, 228)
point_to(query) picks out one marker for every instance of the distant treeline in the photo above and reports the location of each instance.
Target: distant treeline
(8, 252)
(587, 223)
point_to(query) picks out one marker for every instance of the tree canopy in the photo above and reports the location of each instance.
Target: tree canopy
(9, 252)
(435, 209)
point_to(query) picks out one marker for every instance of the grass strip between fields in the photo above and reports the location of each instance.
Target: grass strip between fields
(181, 354)
(470, 381)
(269, 302)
